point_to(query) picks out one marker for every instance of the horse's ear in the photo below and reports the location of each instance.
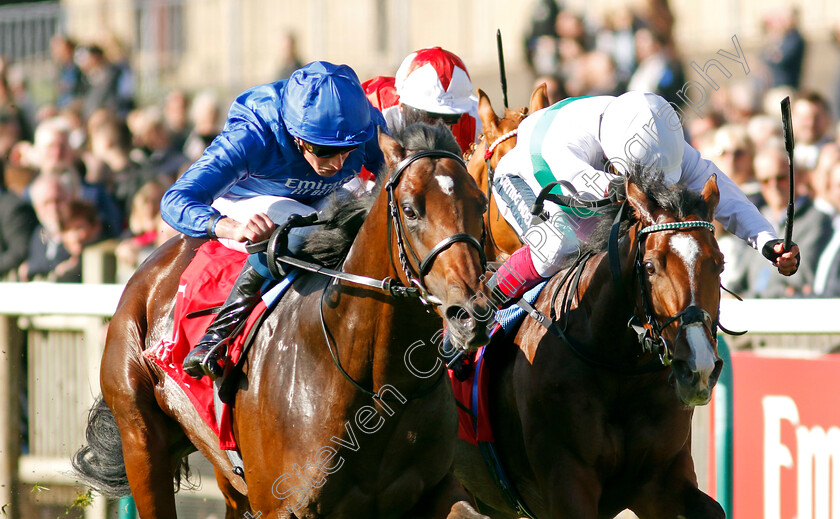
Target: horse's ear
(711, 194)
(393, 151)
(539, 99)
(639, 201)
(488, 117)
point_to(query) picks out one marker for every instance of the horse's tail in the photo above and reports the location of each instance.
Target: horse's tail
(100, 463)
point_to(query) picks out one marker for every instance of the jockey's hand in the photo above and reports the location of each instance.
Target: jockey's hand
(258, 228)
(786, 262)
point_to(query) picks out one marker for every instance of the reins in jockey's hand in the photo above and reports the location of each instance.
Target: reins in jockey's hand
(573, 199)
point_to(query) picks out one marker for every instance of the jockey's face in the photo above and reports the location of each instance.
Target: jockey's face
(324, 166)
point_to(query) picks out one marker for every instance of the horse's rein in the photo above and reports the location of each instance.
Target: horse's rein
(392, 286)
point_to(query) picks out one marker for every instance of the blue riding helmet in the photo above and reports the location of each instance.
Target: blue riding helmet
(324, 104)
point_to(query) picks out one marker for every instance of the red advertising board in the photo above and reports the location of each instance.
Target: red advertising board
(786, 437)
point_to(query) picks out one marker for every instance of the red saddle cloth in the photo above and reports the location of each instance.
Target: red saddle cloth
(473, 425)
(205, 283)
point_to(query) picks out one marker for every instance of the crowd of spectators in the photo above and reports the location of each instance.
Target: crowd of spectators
(740, 128)
(90, 165)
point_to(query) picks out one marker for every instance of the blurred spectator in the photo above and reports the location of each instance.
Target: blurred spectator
(772, 100)
(176, 110)
(18, 178)
(784, 48)
(541, 29)
(70, 84)
(657, 71)
(742, 101)
(827, 277)
(702, 128)
(599, 75)
(820, 178)
(17, 221)
(617, 38)
(21, 98)
(572, 44)
(762, 128)
(811, 119)
(102, 79)
(206, 118)
(51, 197)
(288, 61)
(813, 230)
(110, 147)
(735, 155)
(53, 156)
(79, 229)
(117, 55)
(10, 131)
(141, 237)
(51, 152)
(164, 159)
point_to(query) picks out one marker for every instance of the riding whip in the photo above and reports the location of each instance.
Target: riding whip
(788, 129)
(502, 65)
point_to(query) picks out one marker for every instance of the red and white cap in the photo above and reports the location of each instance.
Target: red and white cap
(435, 80)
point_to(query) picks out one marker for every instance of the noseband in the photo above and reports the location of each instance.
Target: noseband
(424, 265)
(650, 333)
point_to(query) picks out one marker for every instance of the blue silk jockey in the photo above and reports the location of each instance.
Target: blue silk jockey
(285, 147)
(588, 142)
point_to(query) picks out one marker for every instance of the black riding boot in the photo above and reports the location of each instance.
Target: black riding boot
(242, 299)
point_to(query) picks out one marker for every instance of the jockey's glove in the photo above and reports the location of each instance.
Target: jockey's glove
(769, 252)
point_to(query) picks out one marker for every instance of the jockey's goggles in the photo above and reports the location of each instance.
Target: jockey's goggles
(448, 119)
(325, 152)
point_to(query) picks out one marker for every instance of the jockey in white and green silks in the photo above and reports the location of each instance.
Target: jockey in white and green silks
(589, 141)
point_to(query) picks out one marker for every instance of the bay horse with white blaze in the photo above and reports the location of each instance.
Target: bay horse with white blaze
(586, 421)
(499, 137)
(329, 350)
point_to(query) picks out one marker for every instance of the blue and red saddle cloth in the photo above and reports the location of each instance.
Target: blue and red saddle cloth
(472, 393)
(207, 281)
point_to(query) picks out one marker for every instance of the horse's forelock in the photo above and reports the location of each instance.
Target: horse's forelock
(675, 199)
(419, 136)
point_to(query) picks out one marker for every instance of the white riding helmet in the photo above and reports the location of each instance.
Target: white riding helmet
(435, 80)
(640, 127)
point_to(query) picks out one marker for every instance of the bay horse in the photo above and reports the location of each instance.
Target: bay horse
(586, 421)
(331, 421)
(499, 136)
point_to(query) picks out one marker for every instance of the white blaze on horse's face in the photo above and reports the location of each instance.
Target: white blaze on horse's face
(688, 250)
(446, 183)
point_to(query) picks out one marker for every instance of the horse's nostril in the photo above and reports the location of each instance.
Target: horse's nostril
(683, 372)
(459, 315)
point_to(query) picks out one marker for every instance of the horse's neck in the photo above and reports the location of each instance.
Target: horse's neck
(608, 306)
(382, 326)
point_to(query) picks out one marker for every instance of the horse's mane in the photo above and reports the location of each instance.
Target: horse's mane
(329, 244)
(676, 199)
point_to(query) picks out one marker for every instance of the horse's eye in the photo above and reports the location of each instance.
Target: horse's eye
(408, 211)
(649, 267)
